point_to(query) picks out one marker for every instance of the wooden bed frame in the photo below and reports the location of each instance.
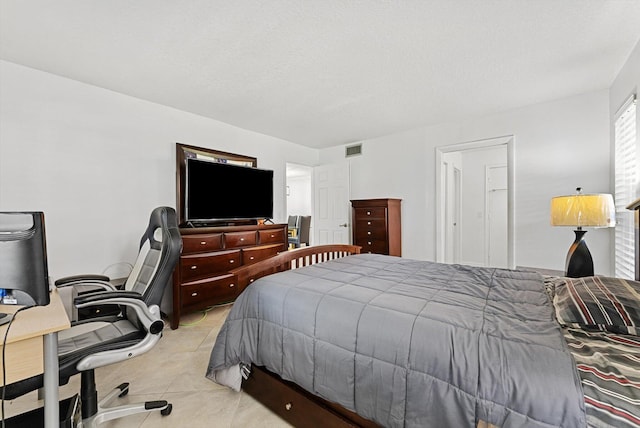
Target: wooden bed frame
(289, 401)
(292, 259)
(286, 399)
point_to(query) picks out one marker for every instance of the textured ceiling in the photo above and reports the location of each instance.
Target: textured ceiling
(322, 73)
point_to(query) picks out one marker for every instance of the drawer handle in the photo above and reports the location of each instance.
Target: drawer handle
(251, 258)
(251, 280)
(231, 261)
(232, 285)
(194, 294)
(369, 243)
(368, 212)
(194, 267)
(369, 223)
(273, 236)
(288, 406)
(203, 242)
(241, 239)
(369, 233)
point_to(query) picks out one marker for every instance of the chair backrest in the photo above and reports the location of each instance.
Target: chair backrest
(160, 248)
(305, 225)
(294, 221)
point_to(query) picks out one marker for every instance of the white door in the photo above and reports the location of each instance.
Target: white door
(332, 208)
(497, 216)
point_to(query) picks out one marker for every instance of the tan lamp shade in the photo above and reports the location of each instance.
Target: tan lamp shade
(595, 210)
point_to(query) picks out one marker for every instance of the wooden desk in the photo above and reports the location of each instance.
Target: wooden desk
(32, 349)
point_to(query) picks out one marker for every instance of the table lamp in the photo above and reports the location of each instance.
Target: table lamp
(581, 210)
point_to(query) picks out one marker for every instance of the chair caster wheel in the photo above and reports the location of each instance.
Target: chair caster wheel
(167, 411)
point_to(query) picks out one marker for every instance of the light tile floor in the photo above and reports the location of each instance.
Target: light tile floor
(174, 371)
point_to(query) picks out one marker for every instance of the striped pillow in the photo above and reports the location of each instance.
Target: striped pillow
(599, 303)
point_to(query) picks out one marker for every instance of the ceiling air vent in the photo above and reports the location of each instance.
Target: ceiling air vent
(353, 150)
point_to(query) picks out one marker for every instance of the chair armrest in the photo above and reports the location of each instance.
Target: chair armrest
(148, 316)
(97, 283)
(77, 278)
(99, 297)
(80, 284)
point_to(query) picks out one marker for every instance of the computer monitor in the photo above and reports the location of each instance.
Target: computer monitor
(23, 257)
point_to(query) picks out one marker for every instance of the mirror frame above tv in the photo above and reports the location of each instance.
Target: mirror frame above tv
(184, 152)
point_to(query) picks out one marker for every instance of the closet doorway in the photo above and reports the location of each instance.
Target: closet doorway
(475, 203)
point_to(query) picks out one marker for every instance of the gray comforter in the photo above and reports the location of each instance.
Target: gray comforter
(410, 343)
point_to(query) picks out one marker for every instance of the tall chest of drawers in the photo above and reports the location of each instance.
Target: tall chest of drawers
(202, 277)
(376, 226)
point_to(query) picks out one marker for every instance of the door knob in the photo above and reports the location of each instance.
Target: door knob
(343, 225)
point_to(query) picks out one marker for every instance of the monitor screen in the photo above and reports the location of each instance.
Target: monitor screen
(23, 258)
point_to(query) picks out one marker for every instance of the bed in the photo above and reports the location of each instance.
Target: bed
(328, 337)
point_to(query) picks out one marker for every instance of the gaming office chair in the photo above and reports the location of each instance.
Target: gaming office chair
(71, 287)
(98, 342)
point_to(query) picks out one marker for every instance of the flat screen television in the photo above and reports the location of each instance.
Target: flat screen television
(217, 191)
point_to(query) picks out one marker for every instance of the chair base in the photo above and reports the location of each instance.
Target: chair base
(95, 414)
(105, 413)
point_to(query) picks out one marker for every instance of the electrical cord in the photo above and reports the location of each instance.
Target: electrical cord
(204, 315)
(189, 324)
(4, 361)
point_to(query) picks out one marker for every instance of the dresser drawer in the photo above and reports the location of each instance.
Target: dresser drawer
(201, 243)
(371, 233)
(371, 223)
(255, 254)
(379, 223)
(219, 289)
(201, 265)
(373, 212)
(239, 239)
(271, 236)
(372, 246)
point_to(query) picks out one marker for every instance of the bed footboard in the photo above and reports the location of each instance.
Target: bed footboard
(291, 259)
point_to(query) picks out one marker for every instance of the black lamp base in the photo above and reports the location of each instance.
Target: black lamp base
(579, 262)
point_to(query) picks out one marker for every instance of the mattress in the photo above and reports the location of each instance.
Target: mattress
(409, 343)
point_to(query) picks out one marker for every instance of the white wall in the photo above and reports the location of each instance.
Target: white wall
(559, 145)
(97, 162)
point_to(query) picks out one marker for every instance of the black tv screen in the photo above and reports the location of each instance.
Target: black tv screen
(217, 191)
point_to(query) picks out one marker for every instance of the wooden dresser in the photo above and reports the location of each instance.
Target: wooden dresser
(376, 226)
(202, 277)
